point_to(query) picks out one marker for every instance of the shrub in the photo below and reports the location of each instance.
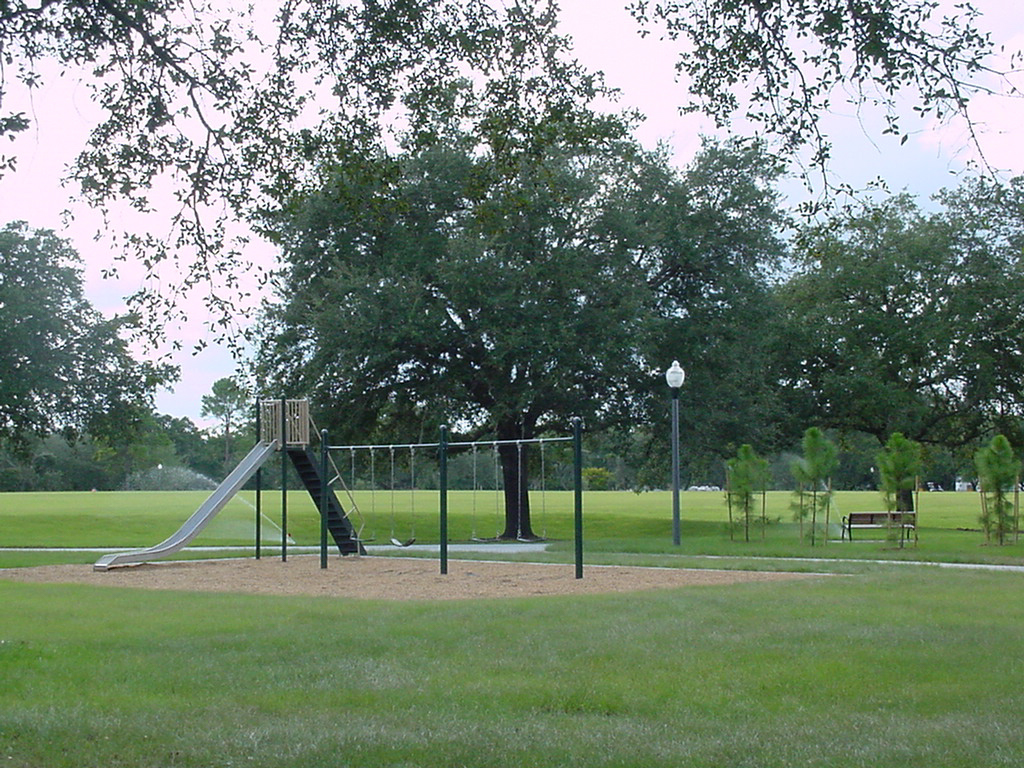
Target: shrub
(998, 473)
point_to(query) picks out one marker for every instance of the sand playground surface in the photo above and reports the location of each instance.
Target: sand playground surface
(387, 578)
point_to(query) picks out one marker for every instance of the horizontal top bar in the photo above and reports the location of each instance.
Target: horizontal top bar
(514, 442)
(495, 443)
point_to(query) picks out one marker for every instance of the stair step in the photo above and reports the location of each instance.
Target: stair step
(340, 528)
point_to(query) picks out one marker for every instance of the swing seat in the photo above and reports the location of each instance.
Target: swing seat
(406, 543)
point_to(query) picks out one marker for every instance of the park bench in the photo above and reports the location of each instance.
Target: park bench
(904, 522)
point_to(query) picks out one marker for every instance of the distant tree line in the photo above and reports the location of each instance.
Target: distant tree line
(883, 318)
(469, 236)
(82, 462)
(76, 408)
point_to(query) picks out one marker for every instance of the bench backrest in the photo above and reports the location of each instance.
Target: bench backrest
(881, 518)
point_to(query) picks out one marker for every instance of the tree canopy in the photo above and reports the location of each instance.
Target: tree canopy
(514, 263)
(62, 365)
(905, 321)
(783, 65)
(499, 292)
(229, 108)
(899, 465)
(470, 131)
(999, 473)
(226, 402)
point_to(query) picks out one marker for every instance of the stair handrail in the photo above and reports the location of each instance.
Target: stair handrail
(353, 506)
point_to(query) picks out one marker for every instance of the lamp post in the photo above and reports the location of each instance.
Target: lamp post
(675, 376)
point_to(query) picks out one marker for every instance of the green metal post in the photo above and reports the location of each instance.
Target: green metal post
(442, 450)
(323, 498)
(577, 482)
(259, 484)
(284, 480)
(676, 535)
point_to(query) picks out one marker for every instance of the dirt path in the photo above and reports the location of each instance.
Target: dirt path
(387, 578)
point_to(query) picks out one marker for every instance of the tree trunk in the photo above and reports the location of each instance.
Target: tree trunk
(227, 446)
(814, 511)
(905, 500)
(515, 472)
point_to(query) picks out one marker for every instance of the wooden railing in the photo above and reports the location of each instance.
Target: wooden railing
(286, 421)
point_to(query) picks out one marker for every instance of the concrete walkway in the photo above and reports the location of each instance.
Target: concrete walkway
(515, 547)
(866, 561)
(503, 548)
(498, 547)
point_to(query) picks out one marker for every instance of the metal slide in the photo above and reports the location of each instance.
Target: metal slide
(225, 491)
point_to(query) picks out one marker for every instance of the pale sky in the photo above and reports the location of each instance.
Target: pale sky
(606, 39)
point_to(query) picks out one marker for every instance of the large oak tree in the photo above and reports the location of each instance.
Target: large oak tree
(504, 281)
(436, 285)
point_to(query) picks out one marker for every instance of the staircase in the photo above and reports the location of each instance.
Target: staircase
(337, 522)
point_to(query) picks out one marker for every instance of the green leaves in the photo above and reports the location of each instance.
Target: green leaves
(903, 321)
(997, 465)
(62, 365)
(899, 464)
(819, 460)
(464, 287)
(812, 472)
(226, 402)
(782, 65)
(999, 473)
(746, 479)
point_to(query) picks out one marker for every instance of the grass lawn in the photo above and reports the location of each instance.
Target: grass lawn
(615, 522)
(887, 665)
(120, 518)
(915, 668)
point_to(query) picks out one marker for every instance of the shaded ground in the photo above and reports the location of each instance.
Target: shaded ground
(387, 578)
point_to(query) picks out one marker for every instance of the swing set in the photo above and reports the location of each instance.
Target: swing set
(347, 523)
(498, 487)
(392, 486)
(396, 464)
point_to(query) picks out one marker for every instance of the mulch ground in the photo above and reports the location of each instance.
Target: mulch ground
(388, 578)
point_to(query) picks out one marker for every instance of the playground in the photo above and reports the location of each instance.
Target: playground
(390, 578)
(341, 512)
(285, 429)
(717, 651)
(708, 659)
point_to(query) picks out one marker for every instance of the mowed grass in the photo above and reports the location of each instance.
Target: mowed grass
(917, 667)
(615, 522)
(889, 665)
(118, 518)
